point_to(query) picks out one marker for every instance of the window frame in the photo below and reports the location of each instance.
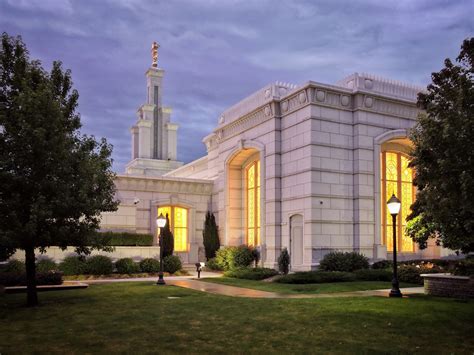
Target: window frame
(172, 224)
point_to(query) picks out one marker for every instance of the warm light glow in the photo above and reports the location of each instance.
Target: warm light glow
(397, 179)
(253, 203)
(178, 224)
(161, 221)
(394, 205)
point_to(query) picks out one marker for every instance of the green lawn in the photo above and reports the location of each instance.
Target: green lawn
(141, 317)
(309, 288)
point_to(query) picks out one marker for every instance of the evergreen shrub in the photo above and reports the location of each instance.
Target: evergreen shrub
(340, 261)
(258, 273)
(45, 265)
(73, 265)
(99, 265)
(127, 266)
(150, 265)
(172, 264)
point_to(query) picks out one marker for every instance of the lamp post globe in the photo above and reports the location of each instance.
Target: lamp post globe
(160, 223)
(393, 205)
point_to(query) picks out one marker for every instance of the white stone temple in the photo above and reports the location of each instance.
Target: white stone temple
(307, 167)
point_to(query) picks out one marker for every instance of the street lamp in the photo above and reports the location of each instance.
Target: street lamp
(393, 205)
(160, 223)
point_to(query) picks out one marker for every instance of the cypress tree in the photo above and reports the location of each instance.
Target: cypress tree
(210, 236)
(168, 239)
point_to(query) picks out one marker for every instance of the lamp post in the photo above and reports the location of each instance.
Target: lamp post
(160, 223)
(394, 205)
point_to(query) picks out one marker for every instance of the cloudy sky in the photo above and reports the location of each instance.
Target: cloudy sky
(217, 52)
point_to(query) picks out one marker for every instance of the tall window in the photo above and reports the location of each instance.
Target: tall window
(178, 224)
(397, 178)
(253, 203)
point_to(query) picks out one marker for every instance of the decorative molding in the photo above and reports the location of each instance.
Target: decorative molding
(170, 186)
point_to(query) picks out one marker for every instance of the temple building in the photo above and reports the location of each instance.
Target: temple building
(308, 167)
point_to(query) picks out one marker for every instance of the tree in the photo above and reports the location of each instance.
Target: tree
(210, 236)
(168, 239)
(54, 182)
(443, 157)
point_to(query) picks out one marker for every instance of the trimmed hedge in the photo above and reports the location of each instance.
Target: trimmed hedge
(229, 258)
(14, 266)
(315, 277)
(258, 273)
(464, 268)
(382, 264)
(172, 264)
(373, 275)
(212, 264)
(45, 265)
(73, 265)
(340, 261)
(127, 266)
(42, 278)
(149, 265)
(99, 265)
(119, 239)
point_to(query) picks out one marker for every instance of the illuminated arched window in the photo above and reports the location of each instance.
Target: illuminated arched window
(397, 178)
(252, 177)
(178, 224)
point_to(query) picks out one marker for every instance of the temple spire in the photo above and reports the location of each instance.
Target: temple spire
(154, 54)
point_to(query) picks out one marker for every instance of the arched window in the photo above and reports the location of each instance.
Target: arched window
(178, 224)
(397, 178)
(252, 177)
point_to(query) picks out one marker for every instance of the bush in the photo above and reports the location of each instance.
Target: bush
(258, 273)
(45, 265)
(73, 265)
(125, 239)
(42, 278)
(167, 239)
(172, 264)
(127, 266)
(411, 274)
(373, 275)
(311, 277)
(99, 265)
(464, 267)
(150, 265)
(212, 264)
(210, 236)
(229, 258)
(339, 261)
(284, 261)
(382, 264)
(14, 266)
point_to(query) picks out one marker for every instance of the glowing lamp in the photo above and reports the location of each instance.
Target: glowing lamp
(161, 221)
(393, 205)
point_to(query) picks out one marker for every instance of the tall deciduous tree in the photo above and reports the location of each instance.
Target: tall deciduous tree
(54, 182)
(210, 236)
(443, 157)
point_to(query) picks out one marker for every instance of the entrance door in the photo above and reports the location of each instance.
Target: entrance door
(296, 241)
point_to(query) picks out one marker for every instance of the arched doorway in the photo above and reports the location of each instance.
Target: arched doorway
(296, 241)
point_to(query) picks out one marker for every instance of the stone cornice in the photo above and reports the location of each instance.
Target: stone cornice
(164, 184)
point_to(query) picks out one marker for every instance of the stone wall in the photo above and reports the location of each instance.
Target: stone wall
(445, 285)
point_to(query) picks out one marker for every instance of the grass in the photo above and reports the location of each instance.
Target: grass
(307, 288)
(141, 317)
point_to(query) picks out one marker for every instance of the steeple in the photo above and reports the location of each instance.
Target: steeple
(154, 136)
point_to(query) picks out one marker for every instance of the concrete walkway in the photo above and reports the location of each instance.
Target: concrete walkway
(226, 290)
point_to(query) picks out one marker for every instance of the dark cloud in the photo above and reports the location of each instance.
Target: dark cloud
(217, 52)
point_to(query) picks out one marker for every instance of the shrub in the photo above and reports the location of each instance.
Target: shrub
(125, 238)
(171, 264)
(150, 265)
(411, 273)
(99, 265)
(382, 264)
(373, 275)
(73, 265)
(464, 267)
(310, 277)
(45, 265)
(42, 278)
(14, 266)
(284, 261)
(210, 236)
(167, 239)
(229, 258)
(127, 266)
(212, 264)
(339, 261)
(258, 273)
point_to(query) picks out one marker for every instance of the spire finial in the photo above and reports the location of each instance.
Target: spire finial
(154, 54)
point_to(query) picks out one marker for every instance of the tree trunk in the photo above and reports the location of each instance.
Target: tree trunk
(32, 296)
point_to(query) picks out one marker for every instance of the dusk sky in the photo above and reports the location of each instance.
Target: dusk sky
(215, 53)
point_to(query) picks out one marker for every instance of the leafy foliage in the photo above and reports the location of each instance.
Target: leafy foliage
(168, 239)
(284, 261)
(124, 239)
(464, 268)
(73, 265)
(382, 264)
(340, 261)
(172, 264)
(212, 264)
(14, 266)
(373, 275)
(149, 265)
(45, 265)
(54, 181)
(127, 266)
(229, 258)
(443, 157)
(210, 236)
(42, 278)
(258, 273)
(99, 265)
